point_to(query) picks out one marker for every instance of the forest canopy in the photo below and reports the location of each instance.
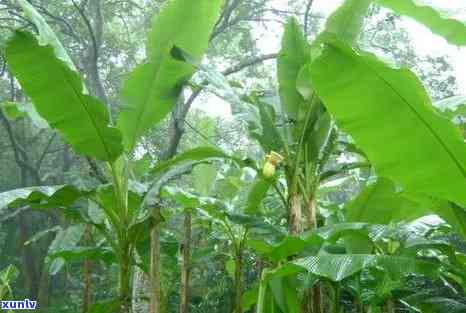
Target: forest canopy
(220, 156)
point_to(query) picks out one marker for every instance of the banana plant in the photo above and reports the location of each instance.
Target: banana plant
(203, 179)
(367, 264)
(336, 76)
(298, 130)
(227, 212)
(340, 60)
(49, 78)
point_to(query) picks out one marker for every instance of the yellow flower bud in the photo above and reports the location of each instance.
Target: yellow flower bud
(268, 170)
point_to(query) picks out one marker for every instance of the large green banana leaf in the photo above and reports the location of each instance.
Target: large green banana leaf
(42, 197)
(203, 177)
(294, 55)
(337, 267)
(148, 95)
(452, 30)
(287, 247)
(442, 305)
(285, 294)
(312, 123)
(348, 20)
(46, 34)
(389, 114)
(153, 88)
(381, 203)
(256, 194)
(65, 239)
(191, 157)
(15, 201)
(57, 93)
(185, 24)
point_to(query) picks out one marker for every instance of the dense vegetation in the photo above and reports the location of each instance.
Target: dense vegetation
(338, 183)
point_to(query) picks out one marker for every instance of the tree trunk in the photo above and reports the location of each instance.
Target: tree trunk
(312, 213)
(125, 281)
(141, 290)
(43, 292)
(186, 266)
(87, 296)
(316, 292)
(175, 133)
(29, 265)
(156, 290)
(239, 280)
(87, 273)
(389, 306)
(294, 218)
(336, 307)
(307, 304)
(93, 52)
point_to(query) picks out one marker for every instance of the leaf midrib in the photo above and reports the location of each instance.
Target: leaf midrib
(84, 105)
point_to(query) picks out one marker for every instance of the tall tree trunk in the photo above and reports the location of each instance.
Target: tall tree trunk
(87, 296)
(87, 273)
(28, 261)
(44, 288)
(336, 306)
(175, 133)
(155, 260)
(125, 281)
(316, 293)
(186, 266)
(93, 50)
(141, 290)
(239, 279)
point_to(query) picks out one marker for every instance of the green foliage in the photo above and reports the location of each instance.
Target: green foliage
(423, 145)
(57, 94)
(46, 34)
(257, 193)
(204, 178)
(11, 110)
(369, 260)
(347, 21)
(105, 307)
(339, 267)
(265, 131)
(295, 53)
(7, 276)
(184, 24)
(442, 305)
(65, 240)
(153, 88)
(148, 95)
(284, 293)
(12, 202)
(381, 203)
(190, 157)
(79, 254)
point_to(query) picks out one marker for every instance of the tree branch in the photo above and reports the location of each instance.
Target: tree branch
(256, 60)
(306, 16)
(17, 149)
(44, 153)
